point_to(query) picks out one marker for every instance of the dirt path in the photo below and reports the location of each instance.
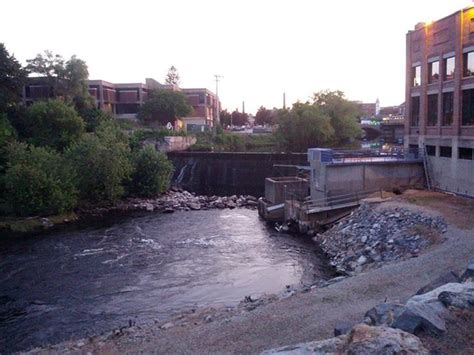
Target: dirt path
(305, 316)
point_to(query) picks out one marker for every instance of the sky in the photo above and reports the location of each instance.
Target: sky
(262, 48)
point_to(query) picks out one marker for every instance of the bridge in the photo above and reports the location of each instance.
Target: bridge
(391, 129)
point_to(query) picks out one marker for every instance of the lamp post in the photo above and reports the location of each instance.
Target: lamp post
(217, 115)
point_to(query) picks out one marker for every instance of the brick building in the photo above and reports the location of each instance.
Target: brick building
(440, 98)
(123, 100)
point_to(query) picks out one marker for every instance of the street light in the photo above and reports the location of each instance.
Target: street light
(217, 116)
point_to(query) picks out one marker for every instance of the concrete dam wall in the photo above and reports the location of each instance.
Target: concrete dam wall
(230, 173)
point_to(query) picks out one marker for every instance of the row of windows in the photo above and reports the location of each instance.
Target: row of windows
(447, 109)
(448, 66)
(447, 152)
(434, 71)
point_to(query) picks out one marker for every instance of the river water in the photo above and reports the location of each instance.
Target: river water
(78, 283)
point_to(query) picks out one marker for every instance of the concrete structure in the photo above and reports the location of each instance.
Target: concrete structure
(440, 98)
(338, 174)
(123, 100)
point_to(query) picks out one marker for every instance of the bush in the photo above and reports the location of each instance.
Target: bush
(102, 162)
(152, 172)
(38, 181)
(93, 117)
(53, 123)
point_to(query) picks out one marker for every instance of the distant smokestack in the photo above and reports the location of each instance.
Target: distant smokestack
(243, 106)
(284, 101)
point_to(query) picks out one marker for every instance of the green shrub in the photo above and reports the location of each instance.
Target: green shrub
(102, 162)
(93, 117)
(54, 124)
(38, 181)
(152, 172)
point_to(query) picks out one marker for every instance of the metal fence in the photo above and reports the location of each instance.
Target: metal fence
(339, 200)
(374, 155)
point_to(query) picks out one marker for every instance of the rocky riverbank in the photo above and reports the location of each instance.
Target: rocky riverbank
(371, 236)
(176, 199)
(423, 325)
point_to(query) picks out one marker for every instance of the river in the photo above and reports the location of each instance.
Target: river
(83, 282)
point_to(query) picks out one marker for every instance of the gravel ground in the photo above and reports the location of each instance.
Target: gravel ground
(301, 318)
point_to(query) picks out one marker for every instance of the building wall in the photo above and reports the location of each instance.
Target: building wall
(449, 37)
(124, 99)
(337, 179)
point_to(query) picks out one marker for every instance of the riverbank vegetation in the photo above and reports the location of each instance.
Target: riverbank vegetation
(328, 120)
(62, 153)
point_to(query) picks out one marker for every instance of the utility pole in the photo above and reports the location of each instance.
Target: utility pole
(217, 118)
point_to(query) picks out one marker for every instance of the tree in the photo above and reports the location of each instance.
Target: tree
(38, 181)
(163, 106)
(7, 136)
(12, 79)
(152, 172)
(303, 127)
(239, 118)
(172, 77)
(225, 117)
(264, 116)
(68, 79)
(53, 123)
(343, 113)
(102, 163)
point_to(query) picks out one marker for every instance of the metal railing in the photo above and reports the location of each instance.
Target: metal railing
(339, 200)
(374, 155)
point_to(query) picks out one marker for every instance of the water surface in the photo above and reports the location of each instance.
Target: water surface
(83, 282)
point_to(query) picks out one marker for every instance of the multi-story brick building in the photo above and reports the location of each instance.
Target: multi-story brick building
(440, 98)
(124, 99)
(204, 106)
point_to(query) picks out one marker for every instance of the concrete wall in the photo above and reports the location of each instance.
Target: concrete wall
(176, 143)
(335, 179)
(230, 173)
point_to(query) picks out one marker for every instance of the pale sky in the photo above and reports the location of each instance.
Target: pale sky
(262, 47)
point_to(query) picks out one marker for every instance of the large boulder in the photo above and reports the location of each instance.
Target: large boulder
(468, 275)
(363, 339)
(384, 313)
(440, 281)
(426, 312)
(327, 346)
(420, 316)
(461, 299)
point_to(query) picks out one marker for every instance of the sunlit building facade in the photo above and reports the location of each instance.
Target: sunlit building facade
(440, 98)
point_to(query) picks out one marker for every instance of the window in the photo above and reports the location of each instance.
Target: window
(467, 107)
(202, 98)
(432, 110)
(465, 153)
(415, 111)
(431, 150)
(433, 72)
(448, 108)
(468, 69)
(416, 75)
(445, 152)
(127, 109)
(448, 64)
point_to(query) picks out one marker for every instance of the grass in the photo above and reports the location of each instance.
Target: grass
(34, 224)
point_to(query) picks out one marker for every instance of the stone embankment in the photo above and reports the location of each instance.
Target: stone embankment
(392, 328)
(370, 236)
(181, 200)
(176, 199)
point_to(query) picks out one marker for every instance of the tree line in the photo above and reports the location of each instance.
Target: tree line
(62, 152)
